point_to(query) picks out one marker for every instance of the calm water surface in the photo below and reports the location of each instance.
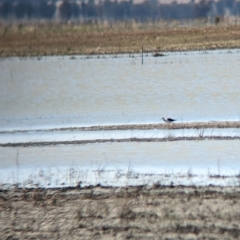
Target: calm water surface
(183, 162)
(68, 136)
(60, 91)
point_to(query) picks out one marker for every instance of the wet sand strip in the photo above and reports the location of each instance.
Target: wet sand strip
(81, 142)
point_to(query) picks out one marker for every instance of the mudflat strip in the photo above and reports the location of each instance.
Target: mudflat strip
(175, 125)
(181, 125)
(78, 142)
(141, 212)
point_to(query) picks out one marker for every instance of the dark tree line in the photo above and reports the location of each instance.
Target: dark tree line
(115, 10)
(27, 9)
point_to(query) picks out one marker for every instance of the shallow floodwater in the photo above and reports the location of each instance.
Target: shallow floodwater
(61, 91)
(181, 162)
(40, 94)
(68, 136)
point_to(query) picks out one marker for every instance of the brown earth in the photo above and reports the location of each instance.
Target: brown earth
(121, 213)
(56, 39)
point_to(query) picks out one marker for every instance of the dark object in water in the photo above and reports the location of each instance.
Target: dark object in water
(168, 120)
(158, 54)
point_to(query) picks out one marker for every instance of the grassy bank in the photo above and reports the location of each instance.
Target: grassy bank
(71, 39)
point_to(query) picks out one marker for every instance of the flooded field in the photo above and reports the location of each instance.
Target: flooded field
(89, 120)
(197, 163)
(85, 154)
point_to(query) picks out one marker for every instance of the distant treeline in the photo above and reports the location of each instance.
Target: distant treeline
(115, 10)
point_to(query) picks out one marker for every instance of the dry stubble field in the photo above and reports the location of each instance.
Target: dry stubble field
(143, 212)
(72, 39)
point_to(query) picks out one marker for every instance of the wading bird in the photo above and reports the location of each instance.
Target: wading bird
(168, 120)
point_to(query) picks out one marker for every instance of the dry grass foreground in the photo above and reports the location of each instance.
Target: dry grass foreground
(121, 213)
(72, 39)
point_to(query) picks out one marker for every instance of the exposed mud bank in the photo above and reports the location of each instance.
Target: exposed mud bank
(77, 142)
(175, 125)
(121, 213)
(172, 126)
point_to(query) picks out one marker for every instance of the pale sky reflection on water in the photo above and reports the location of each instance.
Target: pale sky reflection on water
(191, 86)
(101, 162)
